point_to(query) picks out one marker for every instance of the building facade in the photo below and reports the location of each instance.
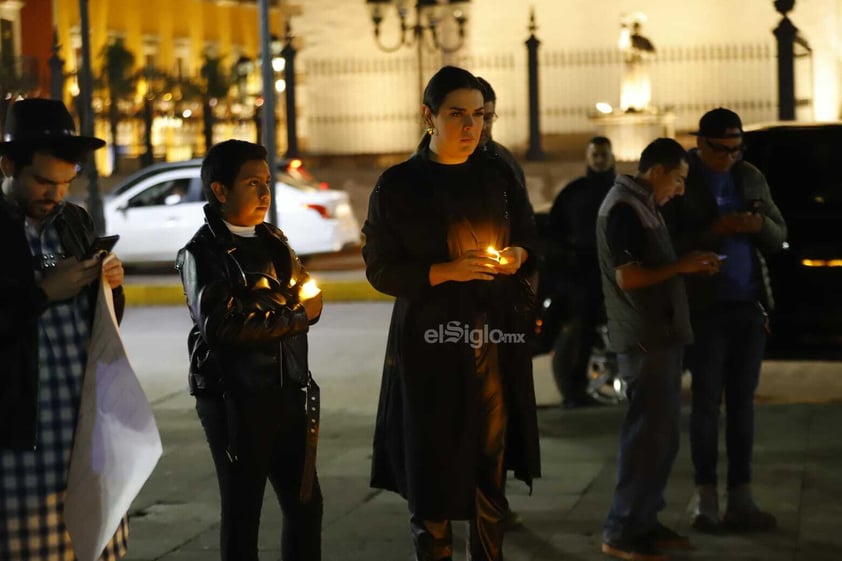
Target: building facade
(356, 98)
(168, 43)
(707, 53)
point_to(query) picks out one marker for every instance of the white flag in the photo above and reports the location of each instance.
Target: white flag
(116, 445)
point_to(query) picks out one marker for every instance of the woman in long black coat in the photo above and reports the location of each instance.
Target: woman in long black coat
(457, 404)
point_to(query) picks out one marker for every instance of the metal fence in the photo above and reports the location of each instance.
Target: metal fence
(360, 106)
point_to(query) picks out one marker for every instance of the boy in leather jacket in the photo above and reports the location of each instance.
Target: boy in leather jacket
(248, 356)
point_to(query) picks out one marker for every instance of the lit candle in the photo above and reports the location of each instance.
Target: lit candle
(494, 254)
(308, 290)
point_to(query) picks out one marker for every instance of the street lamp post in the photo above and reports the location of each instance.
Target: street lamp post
(414, 34)
(268, 74)
(86, 83)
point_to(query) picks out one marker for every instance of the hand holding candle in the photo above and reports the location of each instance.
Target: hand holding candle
(496, 255)
(310, 297)
(510, 259)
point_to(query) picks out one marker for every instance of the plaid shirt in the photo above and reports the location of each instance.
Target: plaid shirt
(33, 483)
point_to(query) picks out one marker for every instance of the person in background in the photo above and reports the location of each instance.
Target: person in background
(450, 233)
(487, 144)
(573, 265)
(248, 296)
(47, 303)
(648, 326)
(496, 151)
(727, 209)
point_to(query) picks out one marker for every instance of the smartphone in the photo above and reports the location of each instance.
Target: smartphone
(103, 244)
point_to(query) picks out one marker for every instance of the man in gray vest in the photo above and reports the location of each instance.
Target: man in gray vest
(648, 326)
(728, 209)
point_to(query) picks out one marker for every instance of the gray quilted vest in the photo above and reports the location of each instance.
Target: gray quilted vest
(653, 316)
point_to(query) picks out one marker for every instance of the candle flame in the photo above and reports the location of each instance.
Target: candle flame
(493, 253)
(308, 290)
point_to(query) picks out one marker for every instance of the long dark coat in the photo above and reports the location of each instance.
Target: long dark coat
(426, 441)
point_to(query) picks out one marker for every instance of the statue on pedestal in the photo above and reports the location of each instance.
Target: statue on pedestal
(635, 88)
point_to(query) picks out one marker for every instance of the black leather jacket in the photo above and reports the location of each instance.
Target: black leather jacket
(21, 304)
(249, 330)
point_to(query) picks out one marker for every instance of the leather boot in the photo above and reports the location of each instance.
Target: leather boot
(433, 539)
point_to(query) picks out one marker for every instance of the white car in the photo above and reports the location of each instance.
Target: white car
(158, 209)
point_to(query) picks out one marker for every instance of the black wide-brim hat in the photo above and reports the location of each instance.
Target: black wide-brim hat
(43, 122)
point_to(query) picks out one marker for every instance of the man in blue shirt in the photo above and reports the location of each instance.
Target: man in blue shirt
(727, 208)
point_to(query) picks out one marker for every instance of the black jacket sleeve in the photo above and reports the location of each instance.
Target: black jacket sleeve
(501, 166)
(524, 232)
(227, 314)
(389, 267)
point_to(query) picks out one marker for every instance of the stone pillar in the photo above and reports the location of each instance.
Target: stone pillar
(785, 34)
(534, 152)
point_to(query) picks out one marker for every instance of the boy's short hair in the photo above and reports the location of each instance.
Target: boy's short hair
(223, 162)
(664, 151)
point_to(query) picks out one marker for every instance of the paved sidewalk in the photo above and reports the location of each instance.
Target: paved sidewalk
(798, 476)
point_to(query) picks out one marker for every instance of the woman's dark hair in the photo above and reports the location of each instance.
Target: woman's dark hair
(664, 151)
(223, 162)
(446, 80)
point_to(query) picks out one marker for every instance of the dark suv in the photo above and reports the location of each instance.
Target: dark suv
(800, 163)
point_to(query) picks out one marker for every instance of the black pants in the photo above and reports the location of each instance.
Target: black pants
(573, 346)
(433, 538)
(725, 358)
(270, 444)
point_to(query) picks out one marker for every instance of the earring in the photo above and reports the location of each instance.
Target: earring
(431, 130)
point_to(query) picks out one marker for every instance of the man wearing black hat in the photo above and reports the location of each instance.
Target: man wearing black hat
(49, 286)
(726, 208)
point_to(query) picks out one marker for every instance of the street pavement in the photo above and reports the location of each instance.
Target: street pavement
(798, 455)
(798, 467)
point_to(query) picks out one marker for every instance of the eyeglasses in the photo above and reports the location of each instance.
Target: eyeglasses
(722, 149)
(489, 117)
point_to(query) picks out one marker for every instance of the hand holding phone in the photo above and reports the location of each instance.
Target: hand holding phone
(101, 246)
(754, 205)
